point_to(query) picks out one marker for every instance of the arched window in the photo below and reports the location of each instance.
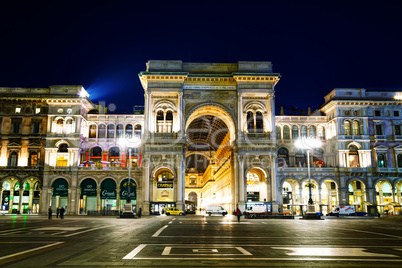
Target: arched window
(278, 132)
(96, 154)
(59, 126)
(347, 127)
(33, 159)
(283, 157)
(63, 148)
(169, 122)
(250, 122)
(356, 128)
(303, 131)
(101, 131)
(399, 160)
(129, 131)
(159, 121)
(92, 131)
(69, 126)
(259, 122)
(120, 131)
(321, 132)
(312, 132)
(165, 176)
(295, 132)
(137, 130)
(381, 160)
(286, 133)
(110, 131)
(13, 159)
(353, 156)
(114, 154)
(318, 157)
(300, 158)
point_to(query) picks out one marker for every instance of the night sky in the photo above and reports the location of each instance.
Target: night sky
(103, 45)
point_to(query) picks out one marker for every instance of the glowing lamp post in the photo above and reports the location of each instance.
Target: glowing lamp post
(130, 143)
(308, 144)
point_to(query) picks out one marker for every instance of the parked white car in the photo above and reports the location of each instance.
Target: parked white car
(218, 210)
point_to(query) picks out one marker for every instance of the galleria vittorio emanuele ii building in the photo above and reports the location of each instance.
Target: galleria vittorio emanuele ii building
(207, 134)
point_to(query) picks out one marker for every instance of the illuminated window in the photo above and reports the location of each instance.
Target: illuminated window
(110, 131)
(17, 110)
(278, 133)
(295, 132)
(353, 157)
(356, 128)
(101, 131)
(312, 132)
(303, 131)
(92, 131)
(37, 110)
(347, 127)
(33, 159)
(381, 160)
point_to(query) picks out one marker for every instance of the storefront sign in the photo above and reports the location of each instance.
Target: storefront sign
(164, 185)
(60, 187)
(108, 189)
(124, 189)
(88, 187)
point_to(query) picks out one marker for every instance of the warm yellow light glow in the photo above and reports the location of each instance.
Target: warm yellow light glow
(398, 96)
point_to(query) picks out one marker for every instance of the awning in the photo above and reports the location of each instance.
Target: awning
(389, 204)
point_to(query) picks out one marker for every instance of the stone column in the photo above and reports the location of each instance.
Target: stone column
(98, 200)
(20, 208)
(242, 188)
(234, 181)
(179, 182)
(146, 183)
(118, 198)
(11, 202)
(30, 201)
(1, 196)
(78, 197)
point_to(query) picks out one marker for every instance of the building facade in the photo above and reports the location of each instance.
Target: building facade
(208, 134)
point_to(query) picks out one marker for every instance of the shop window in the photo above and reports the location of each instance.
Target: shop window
(13, 159)
(18, 110)
(303, 131)
(120, 131)
(353, 157)
(110, 131)
(378, 129)
(381, 160)
(259, 124)
(399, 160)
(129, 131)
(278, 133)
(133, 153)
(33, 159)
(313, 132)
(286, 133)
(92, 131)
(101, 131)
(347, 127)
(295, 132)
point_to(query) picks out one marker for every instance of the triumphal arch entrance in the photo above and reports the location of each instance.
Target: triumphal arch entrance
(209, 136)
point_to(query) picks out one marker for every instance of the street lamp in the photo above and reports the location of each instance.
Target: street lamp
(130, 142)
(308, 144)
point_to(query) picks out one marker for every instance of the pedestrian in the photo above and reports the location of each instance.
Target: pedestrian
(49, 212)
(57, 212)
(238, 214)
(139, 213)
(62, 213)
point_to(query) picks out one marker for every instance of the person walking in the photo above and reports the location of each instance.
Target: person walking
(238, 214)
(139, 213)
(57, 212)
(62, 213)
(49, 212)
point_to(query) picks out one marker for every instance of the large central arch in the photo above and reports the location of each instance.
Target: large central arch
(210, 130)
(215, 109)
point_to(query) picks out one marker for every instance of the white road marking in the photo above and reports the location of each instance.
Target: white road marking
(204, 250)
(89, 230)
(133, 253)
(58, 228)
(368, 232)
(320, 251)
(166, 251)
(159, 231)
(242, 250)
(170, 222)
(30, 250)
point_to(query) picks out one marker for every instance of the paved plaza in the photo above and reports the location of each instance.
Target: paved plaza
(198, 241)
